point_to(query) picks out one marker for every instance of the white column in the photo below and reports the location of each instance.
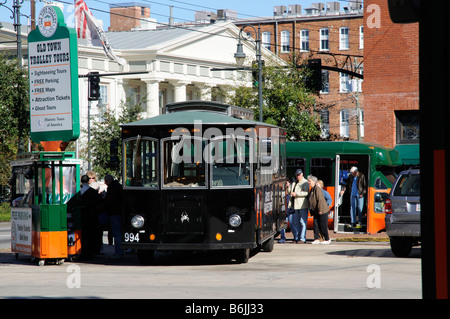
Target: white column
(179, 90)
(152, 97)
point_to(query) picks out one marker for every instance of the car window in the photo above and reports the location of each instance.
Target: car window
(408, 185)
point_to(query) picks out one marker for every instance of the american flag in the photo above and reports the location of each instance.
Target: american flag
(89, 28)
(81, 21)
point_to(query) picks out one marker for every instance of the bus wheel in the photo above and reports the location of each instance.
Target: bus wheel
(145, 257)
(242, 255)
(267, 246)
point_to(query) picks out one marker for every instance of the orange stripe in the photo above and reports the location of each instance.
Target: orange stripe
(50, 114)
(440, 222)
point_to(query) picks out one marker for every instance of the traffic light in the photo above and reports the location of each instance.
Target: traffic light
(255, 72)
(94, 86)
(314, 80)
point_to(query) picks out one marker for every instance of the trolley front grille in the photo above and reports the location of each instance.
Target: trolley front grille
(185, 215)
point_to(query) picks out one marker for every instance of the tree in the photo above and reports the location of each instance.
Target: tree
(14, 113)
(286, 101)
(106, 131)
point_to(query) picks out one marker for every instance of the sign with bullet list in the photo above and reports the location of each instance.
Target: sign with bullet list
(53, 76)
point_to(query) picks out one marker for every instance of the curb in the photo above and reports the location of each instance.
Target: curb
(362, 239)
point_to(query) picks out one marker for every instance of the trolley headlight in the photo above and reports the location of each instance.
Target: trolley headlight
(234, 220)
(137, 221)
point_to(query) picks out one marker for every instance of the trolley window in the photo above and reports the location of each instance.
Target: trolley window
(231, 159)
(140, 158)
(183, 164)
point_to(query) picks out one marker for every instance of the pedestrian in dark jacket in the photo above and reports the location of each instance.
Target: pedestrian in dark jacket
(90, 201)
(319, 209)
(113, 207)
(357, 187)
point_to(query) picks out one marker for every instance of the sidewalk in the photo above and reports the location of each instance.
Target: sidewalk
(346, 237)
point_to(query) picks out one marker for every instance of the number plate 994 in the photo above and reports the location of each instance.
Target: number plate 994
(131, 237)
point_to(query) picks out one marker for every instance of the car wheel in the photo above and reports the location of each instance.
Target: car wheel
(401, 246)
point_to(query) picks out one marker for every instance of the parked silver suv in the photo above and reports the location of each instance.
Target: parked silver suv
(402, 208)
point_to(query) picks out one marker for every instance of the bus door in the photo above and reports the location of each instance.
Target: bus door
(337, 193)
(343, 163)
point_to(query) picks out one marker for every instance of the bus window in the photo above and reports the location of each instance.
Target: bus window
(140, 163)
(322, 168)
(183, 163)
(379, 184)
(230, 165)
(294, 163)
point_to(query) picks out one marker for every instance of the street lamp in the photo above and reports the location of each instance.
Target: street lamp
(240, 57)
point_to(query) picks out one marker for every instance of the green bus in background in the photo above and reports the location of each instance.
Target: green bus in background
(331, 162)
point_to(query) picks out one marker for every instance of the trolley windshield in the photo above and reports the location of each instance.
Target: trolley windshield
(183, 163)
(140, 156)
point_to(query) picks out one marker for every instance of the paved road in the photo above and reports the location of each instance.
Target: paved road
(5, 236)
(338, 270)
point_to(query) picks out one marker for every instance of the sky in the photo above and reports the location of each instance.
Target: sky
(183, 10)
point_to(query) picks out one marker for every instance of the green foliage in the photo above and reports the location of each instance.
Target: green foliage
(102, 133)
(14, 112)
(286, 102)
(5, 212)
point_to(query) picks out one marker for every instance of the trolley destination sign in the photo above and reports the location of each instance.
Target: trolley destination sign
(53, 74)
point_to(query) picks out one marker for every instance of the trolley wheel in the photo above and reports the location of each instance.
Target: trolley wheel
(41, 262)
(242, 255)
(267, 246)
(60, 262)
(145, 257)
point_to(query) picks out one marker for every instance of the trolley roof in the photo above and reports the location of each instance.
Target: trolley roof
(188, 118)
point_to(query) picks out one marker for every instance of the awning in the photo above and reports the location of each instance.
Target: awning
(409, 153)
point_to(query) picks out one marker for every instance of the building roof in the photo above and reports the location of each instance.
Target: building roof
(146, 39)
(142, 39)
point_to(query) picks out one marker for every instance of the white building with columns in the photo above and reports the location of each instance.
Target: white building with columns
(176, 64)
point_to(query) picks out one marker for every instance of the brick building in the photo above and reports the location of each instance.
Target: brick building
(130, 16)
(391, 81)
(323, 31)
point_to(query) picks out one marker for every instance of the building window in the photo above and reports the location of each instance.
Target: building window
(324, 41)
(343, 39)
(407, 127)
(285, 41)
(361, 38)
(103, 102)
(325, 82)
(325, 123)
(304, 40)
(266, 40)
(344, 127)
(345, 83)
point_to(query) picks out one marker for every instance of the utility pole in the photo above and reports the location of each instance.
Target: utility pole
(358, 110)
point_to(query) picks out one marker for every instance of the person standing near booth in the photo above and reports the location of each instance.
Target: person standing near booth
(113, 207)
(90, 201)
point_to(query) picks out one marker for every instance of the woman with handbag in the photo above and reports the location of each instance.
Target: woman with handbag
(319, 209)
